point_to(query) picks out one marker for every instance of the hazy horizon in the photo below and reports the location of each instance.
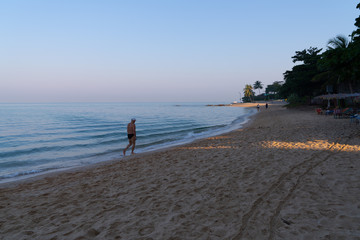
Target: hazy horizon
(156, 51)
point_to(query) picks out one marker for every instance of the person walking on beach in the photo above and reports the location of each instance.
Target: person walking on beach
(258, 107)
(266, 105)
(131, 132)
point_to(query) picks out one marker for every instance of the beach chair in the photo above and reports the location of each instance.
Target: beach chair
(347, 112)
(355, 118)
(337, 113)
(319, 111)
(329, 112)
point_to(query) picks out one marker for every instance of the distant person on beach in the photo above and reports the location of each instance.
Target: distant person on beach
(258, 107)
(266, 105)
(131, 132)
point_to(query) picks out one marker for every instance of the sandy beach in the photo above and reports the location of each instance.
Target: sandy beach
(289, 174)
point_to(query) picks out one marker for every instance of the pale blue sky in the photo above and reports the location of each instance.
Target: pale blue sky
(152, 50)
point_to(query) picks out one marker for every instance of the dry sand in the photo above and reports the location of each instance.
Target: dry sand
(290, 174)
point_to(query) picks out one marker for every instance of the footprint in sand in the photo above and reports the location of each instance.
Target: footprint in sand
(146, 230)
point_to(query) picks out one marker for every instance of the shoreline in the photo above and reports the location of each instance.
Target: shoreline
(39, 175)
(285, 175)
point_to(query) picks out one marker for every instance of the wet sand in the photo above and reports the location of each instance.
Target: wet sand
(289, 174)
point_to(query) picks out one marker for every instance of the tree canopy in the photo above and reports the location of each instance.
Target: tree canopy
(299, 79)
(338, 65)
(274, 88)
(248, 92)
(258, 85)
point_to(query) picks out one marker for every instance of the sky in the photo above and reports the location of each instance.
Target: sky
(157, 50)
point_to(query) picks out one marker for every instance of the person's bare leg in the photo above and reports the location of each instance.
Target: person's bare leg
(130, 143)
(133, 147)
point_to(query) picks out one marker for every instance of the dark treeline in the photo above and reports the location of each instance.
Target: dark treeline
(334, 70)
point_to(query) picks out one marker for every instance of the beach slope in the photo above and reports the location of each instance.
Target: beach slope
(289, 174)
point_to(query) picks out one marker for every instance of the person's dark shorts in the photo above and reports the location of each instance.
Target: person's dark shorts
(130, 136)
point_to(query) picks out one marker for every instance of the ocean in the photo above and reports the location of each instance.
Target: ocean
(38, 138)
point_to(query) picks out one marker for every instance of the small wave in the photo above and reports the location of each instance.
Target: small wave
(93, 130)
(155, 143)
(58, 131)
(181, 133)
(152, 129)
(29, 151)
(107, 135)
(53, 139)
(82, 126)
(24, 163)
(22, 173)
(59, 148)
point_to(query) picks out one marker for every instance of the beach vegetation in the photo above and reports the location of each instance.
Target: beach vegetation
(272, 91)
(248, 93)
(317, 72)
(336, 65)
(260, 97)
(299, 80)
(258, 85)
(293, 98)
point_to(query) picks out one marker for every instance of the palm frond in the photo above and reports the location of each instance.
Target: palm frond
(340, 41)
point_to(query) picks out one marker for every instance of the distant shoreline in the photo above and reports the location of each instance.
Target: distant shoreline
(246, 105)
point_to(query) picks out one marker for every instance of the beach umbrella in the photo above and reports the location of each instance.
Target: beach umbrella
(338, 96)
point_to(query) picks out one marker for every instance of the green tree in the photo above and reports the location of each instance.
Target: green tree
(258, 85)
(341, 62)
(354, 49)
(299, 79)
(356, 33)
(337, 63)
(339, 41)
(248, 92)
(274, 89)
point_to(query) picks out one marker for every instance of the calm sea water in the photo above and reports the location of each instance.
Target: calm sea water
(36, 138)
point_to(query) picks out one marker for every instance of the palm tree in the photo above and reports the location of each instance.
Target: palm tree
(258, 85)
(336, 64)
(339, 41)
(339, 60)
(248, 92)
